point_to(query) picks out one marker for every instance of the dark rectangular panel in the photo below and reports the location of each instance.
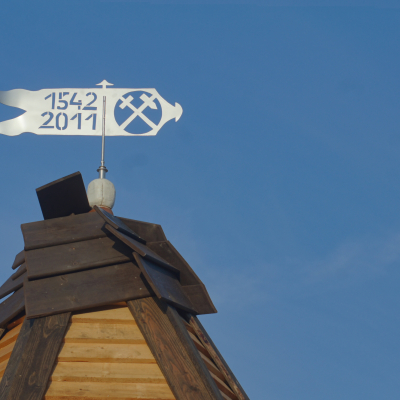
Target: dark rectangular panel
(174, 352)
(168, 252)
(38, 358)
(217, 358)
(54, 232)
(15, 359)
(165, 284)
(11, 307)
(11, 285)
(116, 223)
(146, 230)
(84, 289)
(199, 297)
(19, 259)
(72, 257)
(142, 250)
(63, 197)
(21, 270)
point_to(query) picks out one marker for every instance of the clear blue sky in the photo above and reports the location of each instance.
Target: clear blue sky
(280, 184)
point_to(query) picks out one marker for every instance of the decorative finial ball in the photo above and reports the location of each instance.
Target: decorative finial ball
(101, 192)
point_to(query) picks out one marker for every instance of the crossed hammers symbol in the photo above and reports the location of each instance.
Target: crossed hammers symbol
(138, 112)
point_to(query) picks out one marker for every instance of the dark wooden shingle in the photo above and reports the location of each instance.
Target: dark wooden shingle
(165, 284)
(148, 231)
(11, 285)
(54, 232)
(117, 224)
(11, 307)
(77, 256)
(191, 283)
(84, 289)
(21, 270)
(19, 259)
(142, 249)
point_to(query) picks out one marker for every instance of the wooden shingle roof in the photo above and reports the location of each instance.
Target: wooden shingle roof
(104, 308)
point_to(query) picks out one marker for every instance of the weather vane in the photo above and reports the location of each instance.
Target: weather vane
(76, 111)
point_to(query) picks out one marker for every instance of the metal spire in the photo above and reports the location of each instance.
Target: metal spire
(102, 169)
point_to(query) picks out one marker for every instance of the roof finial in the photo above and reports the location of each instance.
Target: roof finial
(101, 192)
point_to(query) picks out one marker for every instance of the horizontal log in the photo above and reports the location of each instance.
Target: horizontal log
(111, 372)
(103, 333)
(5, 352)
(105, 315)
(108, 390)
(107, 353)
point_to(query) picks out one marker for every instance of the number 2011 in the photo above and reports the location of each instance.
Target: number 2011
(62, 120)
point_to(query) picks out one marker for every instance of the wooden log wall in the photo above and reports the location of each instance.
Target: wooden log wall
(105, 356)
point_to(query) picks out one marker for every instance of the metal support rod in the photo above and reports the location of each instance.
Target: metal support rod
(102, 169)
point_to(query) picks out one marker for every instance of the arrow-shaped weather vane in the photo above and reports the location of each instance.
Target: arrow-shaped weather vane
(76, 111)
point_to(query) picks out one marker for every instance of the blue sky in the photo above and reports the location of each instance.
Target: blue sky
(279, 184)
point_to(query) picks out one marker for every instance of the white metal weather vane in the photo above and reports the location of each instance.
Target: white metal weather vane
(69, 111)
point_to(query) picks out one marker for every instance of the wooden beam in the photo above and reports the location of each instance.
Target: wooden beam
(15, 359)
(73, 257)
(11, 285)
(63, 197)
(117, 224)
(217, 357)
(142, 250)
(148, 231)
(54, 232)
(38, 358)
(84, 289)
(11, 307)
(173, 350)
(19, 259)
(165, 284)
